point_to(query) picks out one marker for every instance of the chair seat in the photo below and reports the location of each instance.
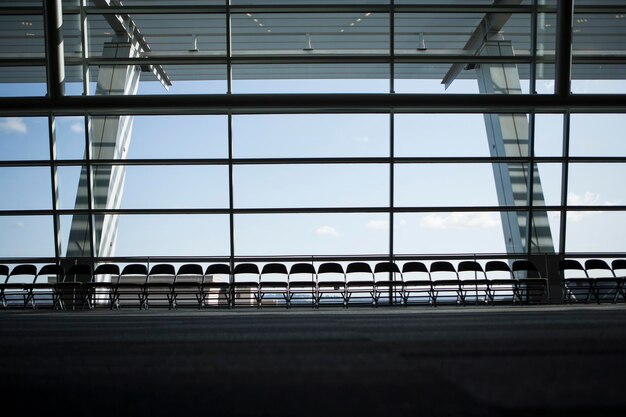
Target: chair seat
(389, 283)
(502, 281)
(418, 283)
(274, 284)
(39, 286)
(12, 286)
(293, 285)
(447, 283)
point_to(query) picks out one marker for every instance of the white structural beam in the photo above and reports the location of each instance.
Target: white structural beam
(508, 136)
(109, 138)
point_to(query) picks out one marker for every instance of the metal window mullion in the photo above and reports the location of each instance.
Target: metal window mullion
(85, 47)
(564, 182)
(54, 59)
(231, 215)
(391, 195)
(392, 47)
(563, 67)
(90, 203)
(53, 183)
(229, 51)
(531, 183)
(533, 48)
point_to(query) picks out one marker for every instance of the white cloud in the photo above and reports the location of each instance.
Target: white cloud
(77, 127)
(588, 199)
(460, 221)
(377, 225)
(13, 125)
(326, 231)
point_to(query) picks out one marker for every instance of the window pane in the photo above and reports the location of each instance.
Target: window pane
(24, 138)
(432, 185)
(25, 188)
(22, 81)
(68, 178)
(311, 234)
(172, 235)
(358, 185)
(165, 186)
(595, 231)
(451, 232)
(548, 190)
(75, 236)
(310, 78)
(440, 135)
(310, 135)
(596, 184)
(597, 135)
(24, 236)
(548, 135)
(70, 137)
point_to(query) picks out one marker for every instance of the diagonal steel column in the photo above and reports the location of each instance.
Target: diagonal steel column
(508, 137)
(109, 138)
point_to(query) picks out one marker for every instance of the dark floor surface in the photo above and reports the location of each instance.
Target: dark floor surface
(477, 361)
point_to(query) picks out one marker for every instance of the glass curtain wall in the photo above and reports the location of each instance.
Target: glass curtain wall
(257, 181)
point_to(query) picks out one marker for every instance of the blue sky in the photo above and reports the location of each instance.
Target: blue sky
(315, 185)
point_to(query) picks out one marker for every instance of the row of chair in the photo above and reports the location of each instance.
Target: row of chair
(596, 279)
(81, 287)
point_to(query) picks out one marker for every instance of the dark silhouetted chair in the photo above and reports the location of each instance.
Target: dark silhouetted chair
(130, 284)
(531, 286)
(302, 280)
(14, 288)
(416, 281)
(42, 288)
(363, 285)
(473, 280)
(605, 283)
(329, 283)
(576, 283)
(274, 280)
(212, 287)
(500, 279)
(69, 292)
(160, 285)
(187, 284)
(101, 287)
(445, 280)
(619, 269)
(385, 281)
(248, 285)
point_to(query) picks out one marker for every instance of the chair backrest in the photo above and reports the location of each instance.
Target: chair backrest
(571, 268)
(442, 270)
(302, 272)
(78, 270)
(498, 270)
(162, 269)
(107, 269)
(470, 270)
(302, 268)
(414, 267)
(51, 270)
(598, 268)
(382, 267)
(270, 271)
(332, 268)
(523, 268)
(363, 271)
(246, 268)
(135, 269)
(382, 271)
(191, 269)
(217, 273)
(619, 267)
(19, 273)
(218, 269)
(4, 271)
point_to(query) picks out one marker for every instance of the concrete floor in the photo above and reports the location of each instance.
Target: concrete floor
(482, 361)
